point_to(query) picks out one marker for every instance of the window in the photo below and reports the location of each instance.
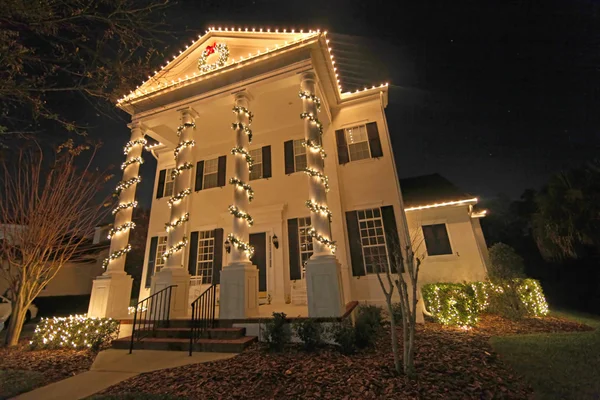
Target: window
(206, 253)
(211, 173)
(372, 238)
(169, 183)
(306, 243)
(161, 247)
(257, 168)
(299, 156)
(358, 142)
(437, 241)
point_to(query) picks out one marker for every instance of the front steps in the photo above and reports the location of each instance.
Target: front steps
(177, 338)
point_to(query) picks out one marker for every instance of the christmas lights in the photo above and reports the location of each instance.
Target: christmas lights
(121, 228)
(152, 147)
(133, 160)
(123, 206)
(314, 120)
(169, 226)
(317, 208)
(221, 49)
(236, 212)
(309, 96)
(243, 110)
(129, 145)
(181, 146)
(322, 239)
(74, 331)
(175, 248)
(241, 245)
(126, 184)
(314, 147)
(179, 196)
(180, 128)
(177, 171)
(242, 185)
(244, 152)
(245, 128)
(115, 255)
(314, 173)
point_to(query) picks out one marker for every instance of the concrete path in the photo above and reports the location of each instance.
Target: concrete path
(113, 366)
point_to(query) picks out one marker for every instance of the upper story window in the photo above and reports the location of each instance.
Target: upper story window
(211, 173)
(299, 156)
(206, 253)
(437, 241)
(169, 182)
(166, 183)
(257, 168)
(372, 239)
(358, 143)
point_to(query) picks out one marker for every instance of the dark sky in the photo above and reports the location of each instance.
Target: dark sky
(496, 96)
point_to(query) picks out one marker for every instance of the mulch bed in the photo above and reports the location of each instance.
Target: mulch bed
(450, 363)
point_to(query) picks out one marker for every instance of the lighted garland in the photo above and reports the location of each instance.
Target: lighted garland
(179, 196)
(121, 228)
(317, 208)
(241, 245)
(175, 248)
(181, 146)
(169, 226)
(177, 171)
(116, 254)
(315, 146)
(246, 154)
(331, 244)
(243, 185)
(244, 110)
(129, 145)
(126, 184)
(236, 212)
(245, 128)
(311, 117)
(181, 127)
(314, 173)
(133, 160)
(124, 206)
(221, 49)
(305, 95)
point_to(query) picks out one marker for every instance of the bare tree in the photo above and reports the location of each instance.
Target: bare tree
(49, 208)
(402, 275)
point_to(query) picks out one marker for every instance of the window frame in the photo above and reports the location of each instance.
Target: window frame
(294, 141)
(377, 245)
(451, 253)
(206, 239)
(256, 164)
(302, 225)
(348, 144)
(169, 179)
(210, 174)
(159, 261)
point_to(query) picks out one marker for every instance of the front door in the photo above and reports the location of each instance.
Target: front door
(259, 241)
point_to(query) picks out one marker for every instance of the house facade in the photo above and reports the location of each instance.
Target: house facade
(272, 182)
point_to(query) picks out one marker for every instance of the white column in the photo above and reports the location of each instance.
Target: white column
(323, 273)
(174, 272)
(111, 291)
(239, 280)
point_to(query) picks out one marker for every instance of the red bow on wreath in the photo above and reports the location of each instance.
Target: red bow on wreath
(210, 49)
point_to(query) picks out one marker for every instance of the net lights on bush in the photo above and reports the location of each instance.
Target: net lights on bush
(116, 254)
(242, 185)
(169, 226)
(316, 174)
(241, 245)
(181, 146)
(74, 331)
(175, 248)
(133, 160)
(241, 151)
(236, 212)
(126, 184)
(177, 171)
(124, 206)
(179, 196)
(312, 232)
(129, 145)
(317, 208)
(121, 228)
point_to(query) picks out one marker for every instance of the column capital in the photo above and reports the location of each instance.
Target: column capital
(243, 95)
(308, 76)
(137, 125)
(188, 111)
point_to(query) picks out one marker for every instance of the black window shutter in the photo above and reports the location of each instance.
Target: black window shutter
(218, 256)
(151, 260)
(392, 239)
(193, 254)
(295, 271)
(288, 148)
(266, 162)
(160, 190)
(221, 171)
(356, 255)
(374, 142)
(342, 148)
(199, 175)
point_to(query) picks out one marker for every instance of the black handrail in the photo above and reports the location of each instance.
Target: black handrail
(203, 314)
(151, 312)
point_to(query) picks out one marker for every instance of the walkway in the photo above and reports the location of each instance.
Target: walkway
(113, 366)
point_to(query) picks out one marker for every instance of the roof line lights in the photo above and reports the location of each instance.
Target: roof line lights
(448, 203)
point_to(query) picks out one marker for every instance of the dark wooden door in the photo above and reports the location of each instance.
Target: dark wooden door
(259, 241)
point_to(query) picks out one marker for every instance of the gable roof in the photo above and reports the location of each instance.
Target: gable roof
(424, 190)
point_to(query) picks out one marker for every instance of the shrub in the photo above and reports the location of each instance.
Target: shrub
(369, 321)
(505, 263)
(504, 300)
(277, 332)
(309, 331)
(532, 296)
(75, 331)
(343, 334)
(451, 303)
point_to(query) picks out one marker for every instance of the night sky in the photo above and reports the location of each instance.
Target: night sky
(496, 96)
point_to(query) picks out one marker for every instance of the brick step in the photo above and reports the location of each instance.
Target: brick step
(179, 344)
(210, 333)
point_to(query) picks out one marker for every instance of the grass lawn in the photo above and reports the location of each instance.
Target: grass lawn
(557, 365)
(14, 382)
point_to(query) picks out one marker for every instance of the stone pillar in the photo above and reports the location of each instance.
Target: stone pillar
(239, 279)
(323, 272)
(111, 292)
(174, 272)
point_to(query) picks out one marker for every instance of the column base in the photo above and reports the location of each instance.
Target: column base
(179, 276)
(239, 291)
(324, 287)
(111, 295)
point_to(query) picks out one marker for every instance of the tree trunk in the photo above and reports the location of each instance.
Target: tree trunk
(394, 336)
(17, 319)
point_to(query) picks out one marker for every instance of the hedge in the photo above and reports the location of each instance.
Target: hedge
(461, 303)
(75, 331)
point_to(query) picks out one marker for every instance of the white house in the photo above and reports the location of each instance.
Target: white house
(272, 183)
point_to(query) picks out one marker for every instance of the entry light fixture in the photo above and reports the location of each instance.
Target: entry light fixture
(227, 246)
(275, 241)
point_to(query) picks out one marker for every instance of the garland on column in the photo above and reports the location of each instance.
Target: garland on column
(181, 127)
(120, 228)
(177, 171)
(239, 150)
(169, 226)
(133, 160)
(181, 146)
(316, 146)
(245, 128)
(236, 212)
(123, 206)
(175, 248)
(129, 145)
(241, 245)
(179, 196)
(126, 184)
(243, 185)
(116, 254)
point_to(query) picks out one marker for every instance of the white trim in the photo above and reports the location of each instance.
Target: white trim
(449, 203)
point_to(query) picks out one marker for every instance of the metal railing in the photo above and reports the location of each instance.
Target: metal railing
(150, 313)
(203, 314)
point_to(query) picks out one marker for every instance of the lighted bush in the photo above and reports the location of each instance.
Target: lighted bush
(532, 296)
(451, 303)
(75, 331)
